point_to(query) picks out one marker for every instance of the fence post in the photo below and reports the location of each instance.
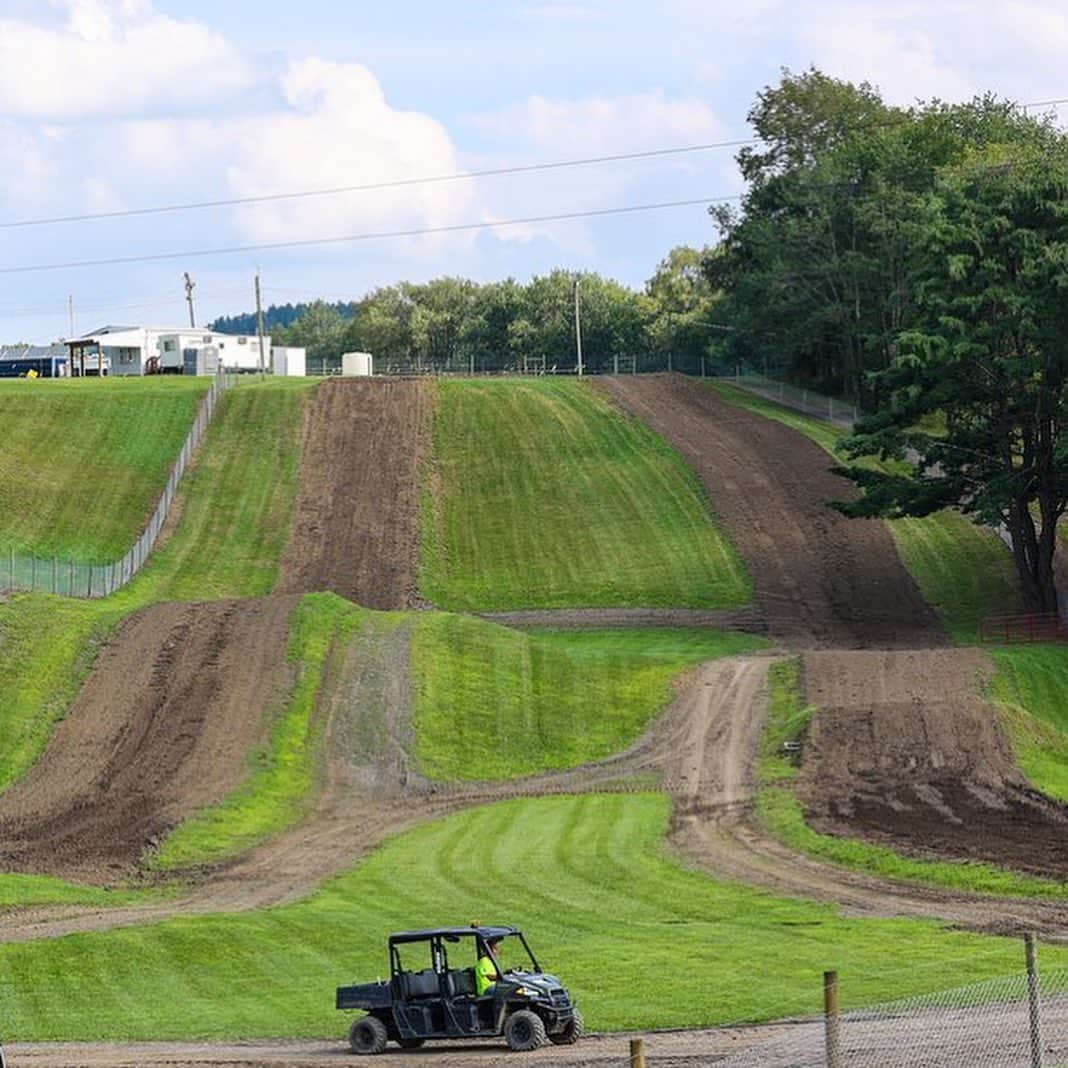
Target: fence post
(832, 1022)
(1034, 1002)
(637, 1053)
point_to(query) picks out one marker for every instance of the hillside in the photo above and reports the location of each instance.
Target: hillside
(83, 463)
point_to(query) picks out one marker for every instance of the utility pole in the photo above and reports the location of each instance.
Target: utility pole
(578, 327)
(190, 285)
(70, 313)
(259, 320)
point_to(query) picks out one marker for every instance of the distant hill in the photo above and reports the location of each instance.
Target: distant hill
(277, 315)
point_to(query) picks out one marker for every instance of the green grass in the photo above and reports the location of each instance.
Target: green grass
(235, 508)
(641, 941)
(1031, 687)
(543, 495)
(83, 463)
(496, 703)
(963, 571)
(29, 891)
(783, 815)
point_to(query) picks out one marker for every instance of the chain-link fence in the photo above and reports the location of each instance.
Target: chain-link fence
(1019, 1020)
(834, 409)
(70, 578)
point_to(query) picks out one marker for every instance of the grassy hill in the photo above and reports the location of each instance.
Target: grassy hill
(589, 880)
(543, 495)
(83, 462)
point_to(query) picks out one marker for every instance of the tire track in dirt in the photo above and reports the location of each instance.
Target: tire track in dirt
(356, 523)
(163, 727)
(820, 580)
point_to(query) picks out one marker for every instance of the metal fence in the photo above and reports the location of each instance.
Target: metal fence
(833, 409)
(70, 578)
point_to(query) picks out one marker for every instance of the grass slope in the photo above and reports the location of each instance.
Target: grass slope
(83, 462)
(496, 703)
(963, 571)
(545, 496)
(587, 877)
(783, 814)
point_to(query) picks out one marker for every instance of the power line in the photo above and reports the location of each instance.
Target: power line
(527, 168)
(373, 236)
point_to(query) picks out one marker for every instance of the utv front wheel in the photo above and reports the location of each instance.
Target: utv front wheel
(524, 1030)
(572, 1032)
(368, 1035)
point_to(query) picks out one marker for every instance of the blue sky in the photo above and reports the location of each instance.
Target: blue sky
(118, 104)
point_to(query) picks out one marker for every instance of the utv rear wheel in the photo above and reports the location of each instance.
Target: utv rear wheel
(368, 1035)
(410, 1043)
(574, 1030)
(524, 1031)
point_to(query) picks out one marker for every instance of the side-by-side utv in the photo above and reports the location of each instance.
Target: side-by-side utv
(431, 994)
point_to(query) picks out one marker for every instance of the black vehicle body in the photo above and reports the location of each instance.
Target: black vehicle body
(439, 1002)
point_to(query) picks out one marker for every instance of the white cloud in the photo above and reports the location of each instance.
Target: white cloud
(112, 57)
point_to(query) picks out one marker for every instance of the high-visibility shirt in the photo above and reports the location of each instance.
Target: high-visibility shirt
(485, 974)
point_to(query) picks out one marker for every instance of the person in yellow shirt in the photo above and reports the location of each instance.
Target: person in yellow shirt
(487, 971)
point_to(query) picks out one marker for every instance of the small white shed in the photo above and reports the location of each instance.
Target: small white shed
(288, 361)
(357, 364)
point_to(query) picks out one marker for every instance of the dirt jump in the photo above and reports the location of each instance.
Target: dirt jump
(163, 727)
(820, 580)
(356, 526)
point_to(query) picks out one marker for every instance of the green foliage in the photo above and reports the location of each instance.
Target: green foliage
(496, 703)
(545, 496)
(586, 877)
(83, 462)
(1031, 687)
(783, 815)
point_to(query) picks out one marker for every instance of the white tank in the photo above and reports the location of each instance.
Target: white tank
(357, 364)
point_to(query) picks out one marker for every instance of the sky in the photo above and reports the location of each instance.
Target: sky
(117, 105)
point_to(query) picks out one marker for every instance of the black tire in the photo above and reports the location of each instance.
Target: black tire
(367, 1035)
(524, 1031)
(410, 1043)
(574, 1030)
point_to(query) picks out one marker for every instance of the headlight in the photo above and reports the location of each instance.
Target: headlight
(526, 992)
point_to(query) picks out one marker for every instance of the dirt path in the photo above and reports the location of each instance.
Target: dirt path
(163, 727)
(356, 526)
(820, 580)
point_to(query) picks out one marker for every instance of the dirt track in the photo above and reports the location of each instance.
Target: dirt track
(356, 526)
(820, 580)
(163, 726)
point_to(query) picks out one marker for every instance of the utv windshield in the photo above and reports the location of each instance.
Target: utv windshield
(512, 954)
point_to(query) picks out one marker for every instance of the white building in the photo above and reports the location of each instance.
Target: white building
(143, 350)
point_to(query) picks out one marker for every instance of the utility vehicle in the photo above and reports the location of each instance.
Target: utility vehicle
(431, 994)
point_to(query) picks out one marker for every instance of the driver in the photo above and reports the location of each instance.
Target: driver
(487, 971)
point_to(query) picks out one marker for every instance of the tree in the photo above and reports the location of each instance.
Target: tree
(319, 330)
(987, 357)
(681, 307)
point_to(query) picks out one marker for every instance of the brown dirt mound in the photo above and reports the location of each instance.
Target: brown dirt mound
(356, 526)
(163, 727)
(819, 579)
(904, 751)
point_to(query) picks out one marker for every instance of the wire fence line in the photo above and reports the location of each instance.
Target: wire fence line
(72, 578)
(843, 413)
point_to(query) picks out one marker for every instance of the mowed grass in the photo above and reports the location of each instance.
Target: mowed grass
(497, 703)
(235, 508)
(1031, 688)
(964, 571)
(782, 813)
(589, 880)
(543, 495)
(83, 462)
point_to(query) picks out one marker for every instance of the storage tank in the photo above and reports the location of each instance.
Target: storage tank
(357, 364)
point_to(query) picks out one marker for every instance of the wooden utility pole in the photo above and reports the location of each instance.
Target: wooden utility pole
(1034, 1003)
(190, 285)
(259, 321)
(70, 313)
(832, 1021)
(578, 327)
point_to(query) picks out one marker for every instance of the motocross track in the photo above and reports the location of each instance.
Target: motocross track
(356, 526)
(162, 727)
(820, 580)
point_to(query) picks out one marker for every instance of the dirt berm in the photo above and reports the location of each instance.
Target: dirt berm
(905, 751)
(164, 726)
(356, 526)
(819, 579)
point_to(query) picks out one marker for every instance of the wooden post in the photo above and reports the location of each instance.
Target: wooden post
(1034, 1002)
(832, 1021)
(637, 1053)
